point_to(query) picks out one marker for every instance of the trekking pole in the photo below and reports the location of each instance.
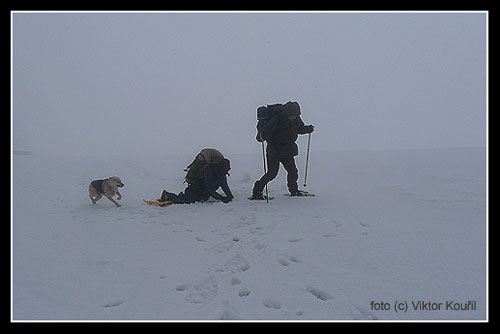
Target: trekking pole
(307, 159)
(265, 170)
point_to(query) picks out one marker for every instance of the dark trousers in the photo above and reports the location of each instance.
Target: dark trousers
(273, 165)
(193, 193)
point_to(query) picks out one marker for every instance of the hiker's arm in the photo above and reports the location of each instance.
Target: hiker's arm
(302, 128)
(210, 184)
(226, 189)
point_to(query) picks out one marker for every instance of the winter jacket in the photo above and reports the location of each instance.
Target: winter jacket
(212, 178)
(281, 133)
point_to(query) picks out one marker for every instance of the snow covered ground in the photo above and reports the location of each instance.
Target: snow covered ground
(388, 232)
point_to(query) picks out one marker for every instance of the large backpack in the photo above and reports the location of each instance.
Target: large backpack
(206, 157)
(265, 113)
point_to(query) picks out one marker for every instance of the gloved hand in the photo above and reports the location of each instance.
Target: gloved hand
(309, 128)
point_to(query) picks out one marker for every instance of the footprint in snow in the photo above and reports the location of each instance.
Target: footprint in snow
(272, 303)
(237, 263)
(259, 245)
(203, 292)
(261, 231)
(320, 294)
(243, 292)
(365, 226)
(363, 314)
(223, 247)
(115, 303)
(229, 312)
(183, 287)
(285, 260)
(235, 281)
(295, 240)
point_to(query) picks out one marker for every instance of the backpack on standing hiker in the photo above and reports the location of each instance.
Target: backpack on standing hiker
(265, 113)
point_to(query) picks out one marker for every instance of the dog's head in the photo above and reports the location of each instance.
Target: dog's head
(115, 180)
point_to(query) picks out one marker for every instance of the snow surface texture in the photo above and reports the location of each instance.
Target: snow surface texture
(385, 226)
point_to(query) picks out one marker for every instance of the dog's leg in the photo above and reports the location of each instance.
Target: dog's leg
(119, 195)
(98, 197)
(94, 194)
(112, 200)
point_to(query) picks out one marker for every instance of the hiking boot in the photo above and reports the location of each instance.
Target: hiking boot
(163, 196)
(166, 196)
(258, 196)
(257, 191)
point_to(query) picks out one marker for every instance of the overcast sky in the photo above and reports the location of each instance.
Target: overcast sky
(129, 83)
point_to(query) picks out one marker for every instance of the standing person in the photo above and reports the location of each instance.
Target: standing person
(281, 132)
(205, 175)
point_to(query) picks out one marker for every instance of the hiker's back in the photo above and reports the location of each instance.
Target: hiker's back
(206, 157)
(275, 124)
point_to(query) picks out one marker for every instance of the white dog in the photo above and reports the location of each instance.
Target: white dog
(107, 188)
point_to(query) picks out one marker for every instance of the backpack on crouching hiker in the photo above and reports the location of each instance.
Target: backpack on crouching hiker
(206, 157)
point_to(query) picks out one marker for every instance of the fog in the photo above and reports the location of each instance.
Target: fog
(169, 82)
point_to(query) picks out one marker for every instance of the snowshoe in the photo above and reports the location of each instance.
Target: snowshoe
(301, 193)
(160, 203)
(259, 197)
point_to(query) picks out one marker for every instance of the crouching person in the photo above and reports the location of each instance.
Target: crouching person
(205, 175)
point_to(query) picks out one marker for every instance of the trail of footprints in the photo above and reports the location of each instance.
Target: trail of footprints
(203, 291)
